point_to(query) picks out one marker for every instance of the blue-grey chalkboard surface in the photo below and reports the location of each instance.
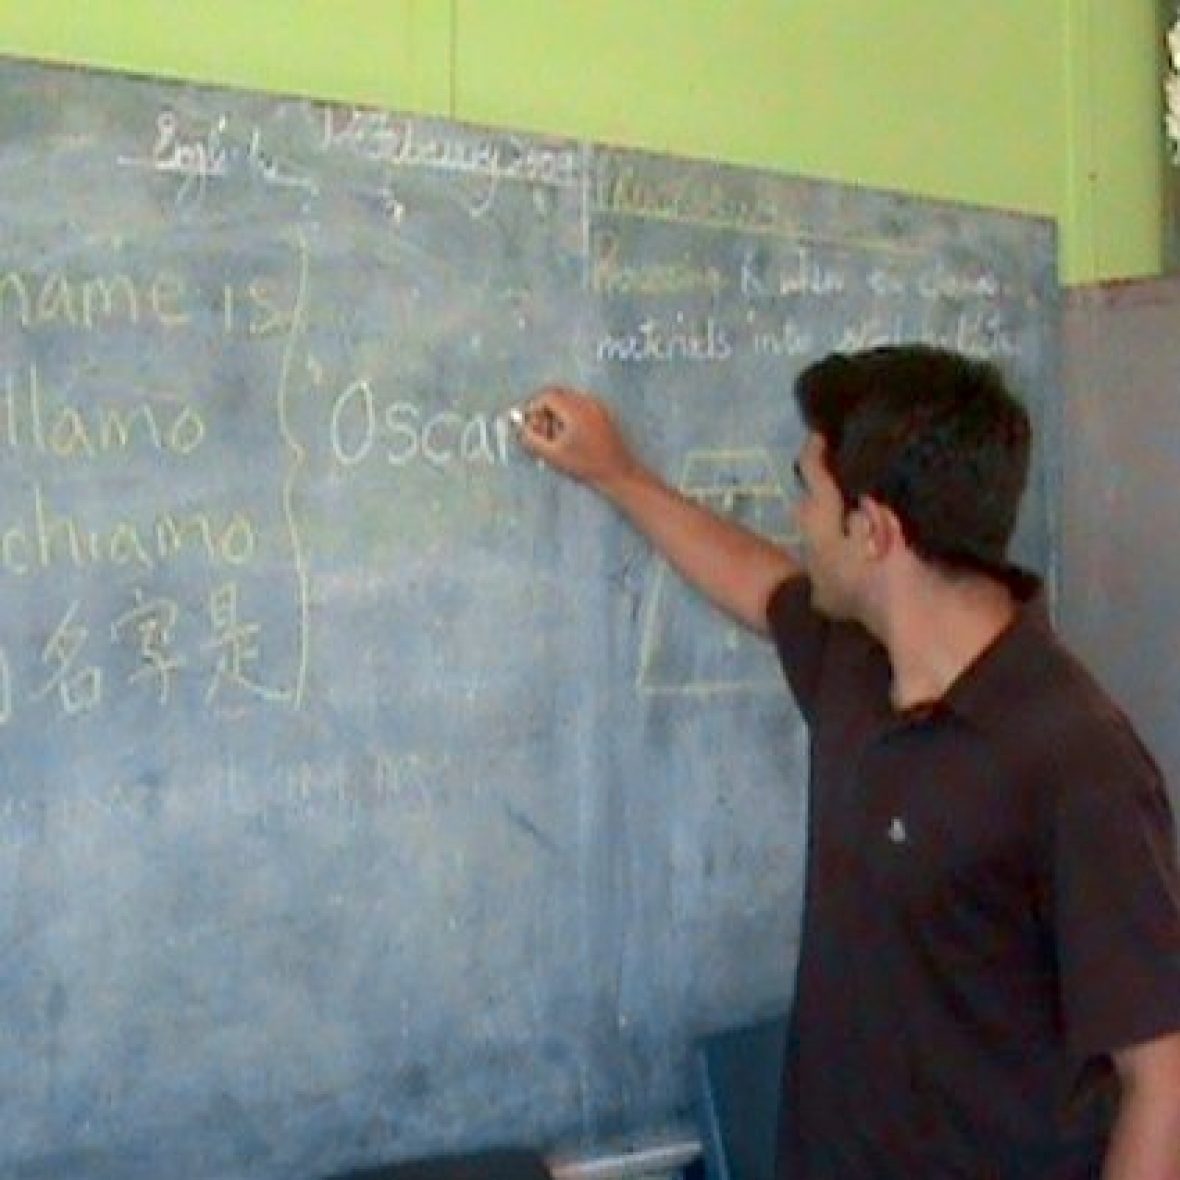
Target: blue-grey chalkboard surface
(368, 791)
(1120, 482)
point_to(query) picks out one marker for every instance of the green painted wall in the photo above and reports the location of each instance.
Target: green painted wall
(1045, 106)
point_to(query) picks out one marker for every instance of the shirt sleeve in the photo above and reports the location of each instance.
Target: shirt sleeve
(800, 636)
(1116, 896)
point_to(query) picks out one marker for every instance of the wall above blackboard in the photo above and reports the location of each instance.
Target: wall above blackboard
(367, 791)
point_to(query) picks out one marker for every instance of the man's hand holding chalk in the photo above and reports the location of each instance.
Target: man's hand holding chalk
(574, 432)
(534, 419)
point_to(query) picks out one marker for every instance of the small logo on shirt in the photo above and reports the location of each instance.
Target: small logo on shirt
(896, 832)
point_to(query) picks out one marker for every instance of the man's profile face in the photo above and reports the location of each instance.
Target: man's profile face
(825, 548)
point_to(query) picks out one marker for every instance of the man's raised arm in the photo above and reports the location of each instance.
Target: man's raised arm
(734, 567)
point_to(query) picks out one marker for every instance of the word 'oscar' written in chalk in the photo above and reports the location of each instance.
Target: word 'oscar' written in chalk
(401, 433)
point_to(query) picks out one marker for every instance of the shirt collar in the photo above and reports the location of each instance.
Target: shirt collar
(1000, 673)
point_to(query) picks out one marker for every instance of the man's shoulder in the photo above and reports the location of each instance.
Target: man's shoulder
(1065, 722)
(822, 658)
(788, 601)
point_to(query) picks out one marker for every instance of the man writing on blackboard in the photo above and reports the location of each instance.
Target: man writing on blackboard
(989, 977)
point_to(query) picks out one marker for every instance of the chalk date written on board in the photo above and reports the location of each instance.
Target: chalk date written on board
(364, 428)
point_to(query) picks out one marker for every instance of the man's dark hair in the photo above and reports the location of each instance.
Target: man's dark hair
(936, 436)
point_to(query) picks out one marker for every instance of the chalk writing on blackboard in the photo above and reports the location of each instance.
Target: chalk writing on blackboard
(399, 432)
(196, 157)
(407, 142)
(97, 302)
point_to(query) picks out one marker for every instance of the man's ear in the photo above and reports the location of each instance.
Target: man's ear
(877, 527)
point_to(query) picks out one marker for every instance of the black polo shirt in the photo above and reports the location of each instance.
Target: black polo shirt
(992, 906)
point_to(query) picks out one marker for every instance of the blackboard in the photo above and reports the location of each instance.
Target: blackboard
(367, 790)
(1120, 568)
